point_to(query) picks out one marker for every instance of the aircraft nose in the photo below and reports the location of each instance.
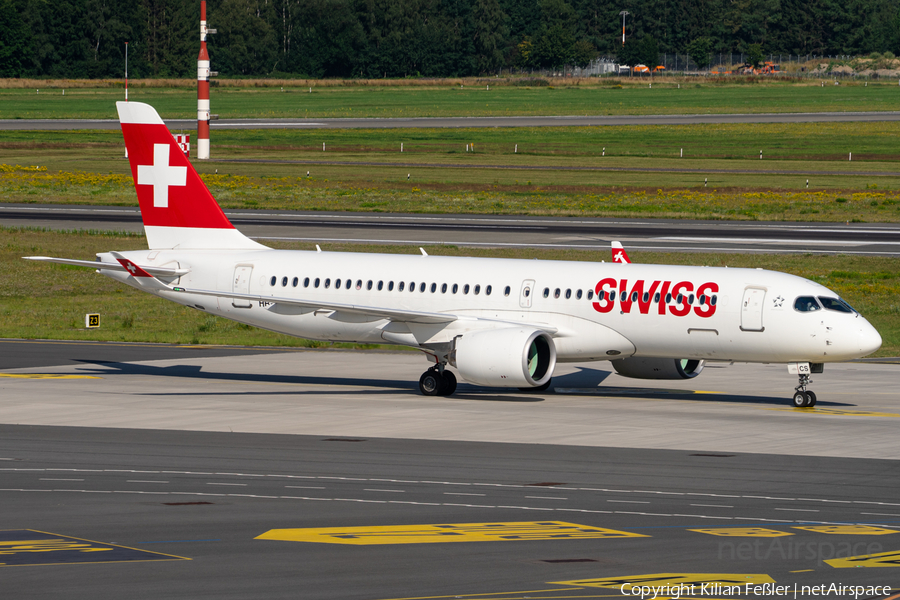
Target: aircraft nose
(869, 339)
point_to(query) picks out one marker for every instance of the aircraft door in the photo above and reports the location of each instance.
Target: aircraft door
(241, 285)
(526, 293)
(752, 309)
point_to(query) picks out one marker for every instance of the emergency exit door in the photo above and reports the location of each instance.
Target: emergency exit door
(241, 285)
(526, 293)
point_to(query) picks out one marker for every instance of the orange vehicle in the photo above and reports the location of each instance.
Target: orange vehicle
(659, 69)
(641, 69)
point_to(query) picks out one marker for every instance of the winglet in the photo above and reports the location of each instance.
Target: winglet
(618, 253)
(142, 277)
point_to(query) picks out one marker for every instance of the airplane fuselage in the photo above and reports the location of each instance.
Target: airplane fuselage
(595, 311)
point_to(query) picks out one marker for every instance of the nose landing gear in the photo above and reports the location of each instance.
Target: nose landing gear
(437, 381)
(804, 398)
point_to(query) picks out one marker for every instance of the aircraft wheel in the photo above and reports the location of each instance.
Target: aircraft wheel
(812, 398)
(800, 400)
(449, 383)
(430, 383)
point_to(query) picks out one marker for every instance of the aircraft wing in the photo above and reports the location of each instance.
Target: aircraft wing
(92, 264)
(393, 314)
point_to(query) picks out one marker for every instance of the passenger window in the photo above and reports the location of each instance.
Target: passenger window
(713, 301)
(624, 296)
(327, 283)
(422, 287)
(433, 288)
(646, 296)
(477, 290)
(390, 286)
(466, 289)
(455, 288)
(487, 290)
(316, 284)
(306, 282)
(295, 282)
(443, 288)
(369, 285)
(679, 299)
(359, 284)
(578, 295)
(691, 299)
(337, 284)
(656, 297)
(273, 280)
(835, 304)
(380, 285)
(806, 304)
(284, 281)
(701, 299)
(546, 292)
(556, 293)
(568, 294)
(668, 298)
(506, 291)
(349, 284)
(590, 294)
(400, 286)
(634, 296)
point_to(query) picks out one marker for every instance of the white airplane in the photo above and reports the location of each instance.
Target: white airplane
(498, 322)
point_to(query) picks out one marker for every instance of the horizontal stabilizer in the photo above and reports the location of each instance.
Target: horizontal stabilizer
(92, 264)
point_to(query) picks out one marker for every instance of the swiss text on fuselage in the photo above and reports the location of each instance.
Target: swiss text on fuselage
(676, 299)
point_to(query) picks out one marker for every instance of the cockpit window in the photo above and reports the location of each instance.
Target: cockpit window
(835, 304)
(806, 304)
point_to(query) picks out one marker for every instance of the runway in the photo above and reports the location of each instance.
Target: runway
(323, 474)
(464, 122)
(502, 231)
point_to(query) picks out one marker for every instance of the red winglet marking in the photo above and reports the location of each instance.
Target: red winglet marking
(135, 270)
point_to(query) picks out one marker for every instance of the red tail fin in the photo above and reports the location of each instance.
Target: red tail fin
(176, 206)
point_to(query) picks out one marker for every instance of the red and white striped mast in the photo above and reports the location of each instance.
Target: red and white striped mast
(203, 90)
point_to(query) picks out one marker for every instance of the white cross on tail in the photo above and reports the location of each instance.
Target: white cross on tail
(160, 175)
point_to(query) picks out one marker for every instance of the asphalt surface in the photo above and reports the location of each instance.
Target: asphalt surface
(159, 471)
(502, 231)
(558, 518)
(40, 353)
(460, 122)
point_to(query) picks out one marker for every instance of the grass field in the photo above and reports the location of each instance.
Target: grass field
(558, 171)
(584, 97)
(47, 301)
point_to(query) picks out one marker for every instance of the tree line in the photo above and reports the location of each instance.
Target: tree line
(430, 38)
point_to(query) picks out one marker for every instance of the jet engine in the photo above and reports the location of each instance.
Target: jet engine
(658, 368)
(509, 357)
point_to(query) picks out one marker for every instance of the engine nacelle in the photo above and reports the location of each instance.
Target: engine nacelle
(509, 357)
(658, 368)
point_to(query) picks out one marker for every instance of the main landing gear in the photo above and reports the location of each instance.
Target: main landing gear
(437, 381)
(804, 398)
